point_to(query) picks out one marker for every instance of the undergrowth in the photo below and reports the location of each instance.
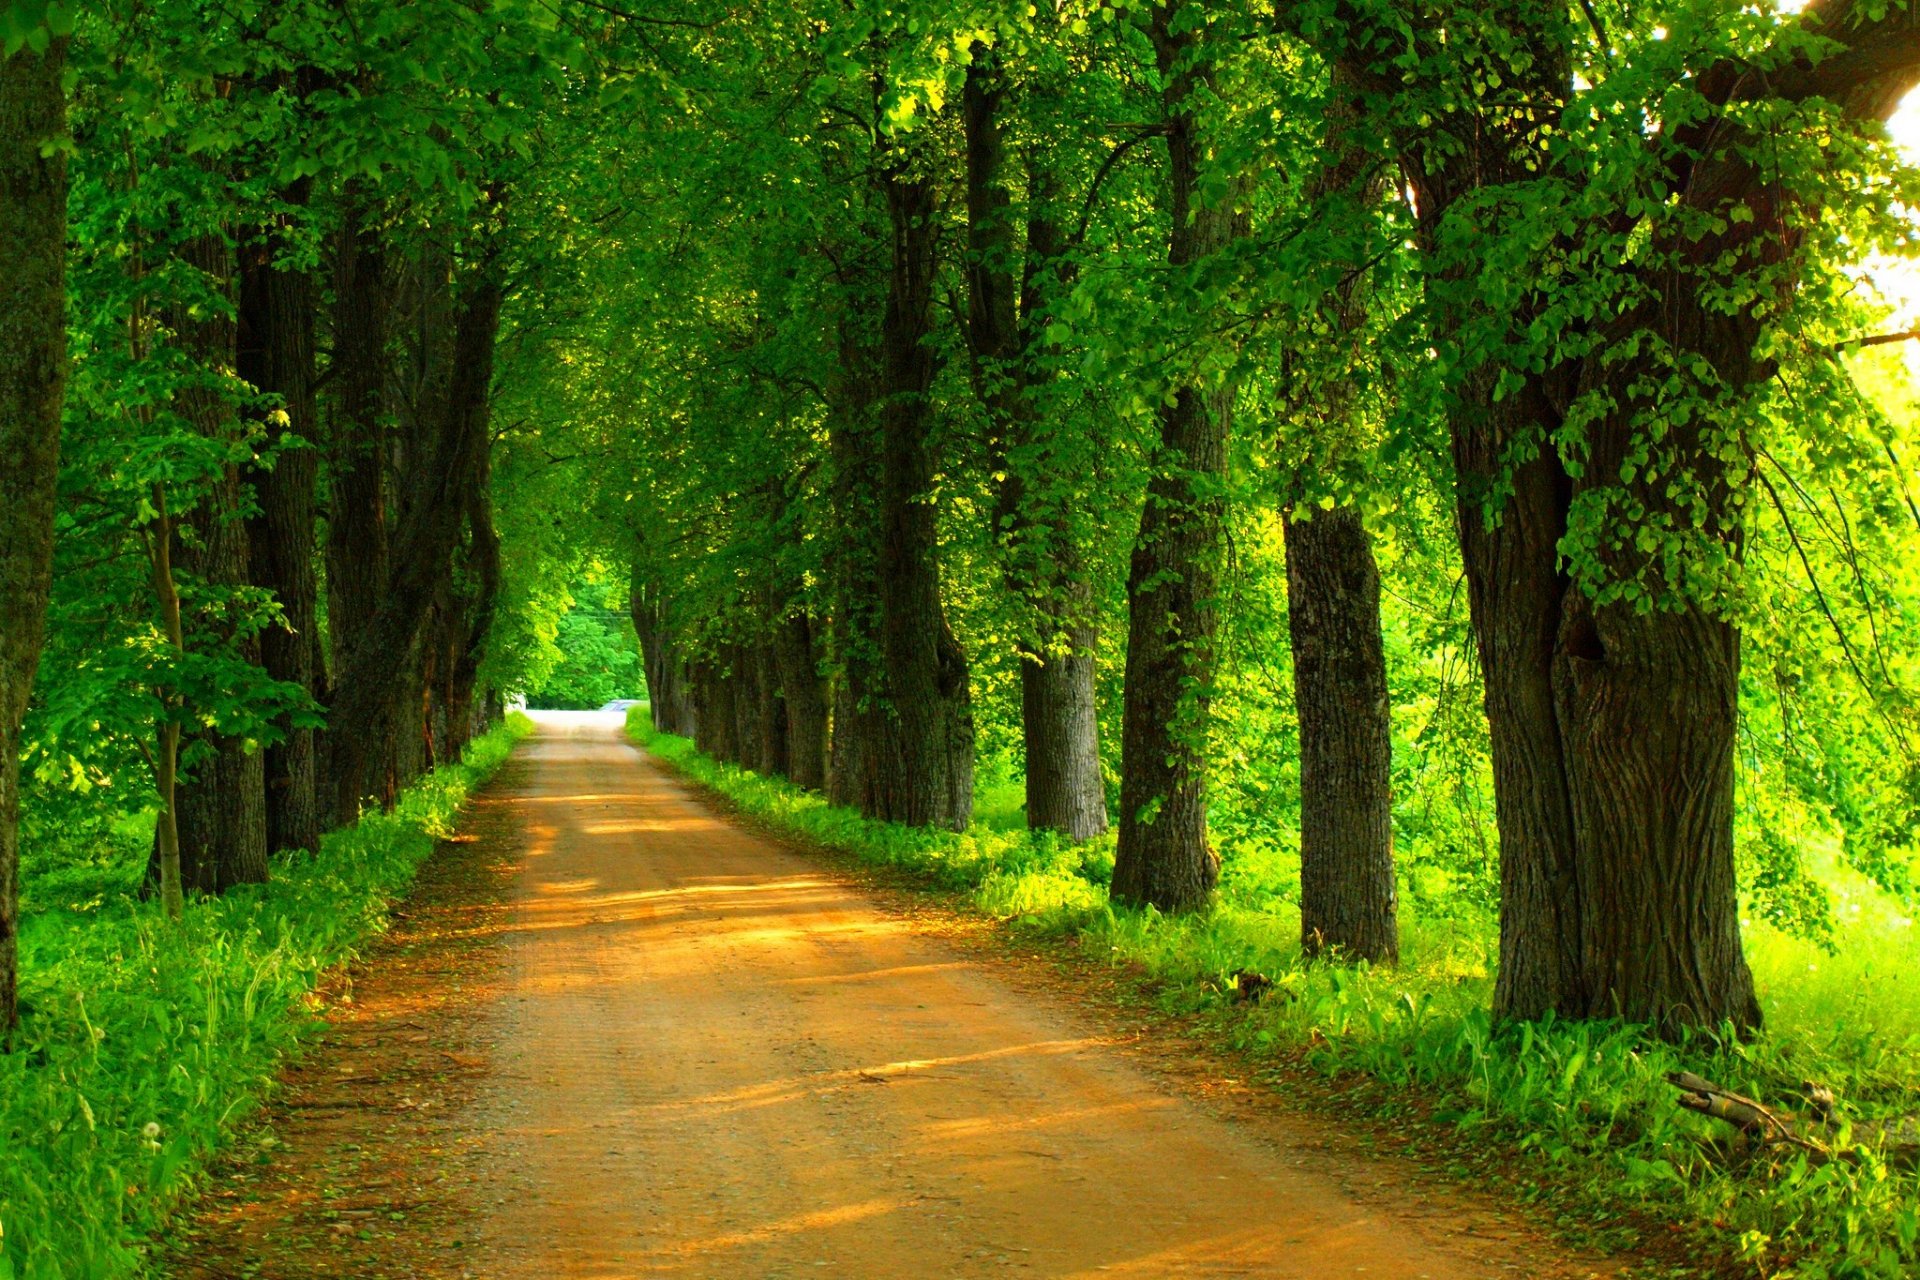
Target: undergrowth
(1587, 1100)
(142, 1042)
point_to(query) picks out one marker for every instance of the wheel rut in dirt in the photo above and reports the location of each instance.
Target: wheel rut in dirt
(711, 1057)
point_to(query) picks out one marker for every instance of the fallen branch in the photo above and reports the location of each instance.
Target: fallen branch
(1897, 1142)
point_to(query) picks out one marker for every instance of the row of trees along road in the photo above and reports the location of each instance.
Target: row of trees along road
(1086, 383)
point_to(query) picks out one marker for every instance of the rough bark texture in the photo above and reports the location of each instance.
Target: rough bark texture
(1347, 888)
(1163, 858)
(473, 622)
(275, 354)
(743, 665)
(1042, 562)
(1347, 885)
(806, 701)
(1613, 731)
(716, 716)
(920, 757)
(669, 687)
(772, 727)
(221, 802)
(33, 370)
(358, 534)
(446, 473)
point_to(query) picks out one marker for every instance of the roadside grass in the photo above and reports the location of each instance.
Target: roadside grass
(1588, 1102)
(143, 1042)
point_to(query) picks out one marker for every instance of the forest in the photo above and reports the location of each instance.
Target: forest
(1409, 503)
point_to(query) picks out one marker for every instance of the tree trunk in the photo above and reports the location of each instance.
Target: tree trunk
(275, 354)
(805, 698)
(847, 782)
(921, 757)
(357, 529)
(772, 728)
(1347, 888)
(1613, 724)
(744, 675)
(715, 716)
(1347, 885)
(221, 803)
(1042, 564)
(1163, 858)
(448, 472)
(670, 698)
(475, 619)
(33, 371)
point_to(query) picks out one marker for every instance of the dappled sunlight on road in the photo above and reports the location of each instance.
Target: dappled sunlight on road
(715, 1061)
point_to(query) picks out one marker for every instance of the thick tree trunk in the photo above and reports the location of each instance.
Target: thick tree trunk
(357, 549)
(920, 759)
(1163, 858)
(1347, 888)
(670, 700)
(475, 620)
(275, 355)
(716, 717)
(366, 695)
(771, 731)
(847, 781)
(1065, 792)
(33, 370)
(1347, 884)
(1613, 728)
(221, 808)
(805, 698)
(744, 668)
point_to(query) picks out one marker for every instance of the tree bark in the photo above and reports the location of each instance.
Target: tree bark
(716, 719)
(743, 666)
(772, 727)
(475, 619)
(365, 693)
(806, 701)
(275, 356)
(920, 757)
(1348, 891)
(670, 700)
(1613, 729)
(1347, 887)
(33, 373)
(221, 808)
(1163, 858)
(358, 555)
(1041, 561)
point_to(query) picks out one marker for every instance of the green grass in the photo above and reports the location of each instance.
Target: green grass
(145, 1041)
(1586, 1103)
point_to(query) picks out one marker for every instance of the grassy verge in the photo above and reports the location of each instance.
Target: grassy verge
(144, 1041)
(1586, 1103)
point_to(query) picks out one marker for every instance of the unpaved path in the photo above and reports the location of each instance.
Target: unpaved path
(711, 1058)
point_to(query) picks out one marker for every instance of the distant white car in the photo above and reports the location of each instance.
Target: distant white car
(621, 704)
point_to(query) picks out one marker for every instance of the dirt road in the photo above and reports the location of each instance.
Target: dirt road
(614, 1035)
(712, 1059)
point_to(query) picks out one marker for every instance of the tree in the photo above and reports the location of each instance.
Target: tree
(1005, 329)
(1602, 424)
(33, 358)
(1348, 890)
(1164, 859)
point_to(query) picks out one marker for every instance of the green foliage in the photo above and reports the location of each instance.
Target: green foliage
(144, 1042)
(1586, 1103)
(599, 661)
